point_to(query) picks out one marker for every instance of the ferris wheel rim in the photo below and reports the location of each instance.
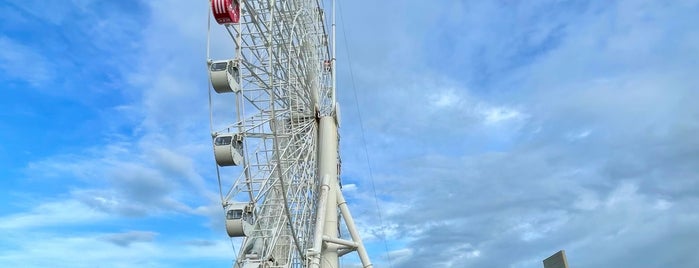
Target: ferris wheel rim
(296, 142)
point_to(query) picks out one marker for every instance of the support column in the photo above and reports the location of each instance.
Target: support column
(314, 253)
(361, 250)
(327, 168)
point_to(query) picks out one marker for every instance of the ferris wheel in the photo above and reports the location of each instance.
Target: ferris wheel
(286, 202)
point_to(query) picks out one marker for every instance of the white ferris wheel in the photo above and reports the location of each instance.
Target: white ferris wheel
(286, 204)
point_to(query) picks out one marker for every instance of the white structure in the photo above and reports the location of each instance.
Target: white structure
(224, 76)
(239, 219)
(228, 149)
(283, 140)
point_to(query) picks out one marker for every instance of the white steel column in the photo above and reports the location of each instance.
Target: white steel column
(327, 168)
(314, 253)
(334, 59)
(361, 250)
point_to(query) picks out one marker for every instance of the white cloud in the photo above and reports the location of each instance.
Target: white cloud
(445, 99)
(400, 254)
(473, 254)
(53, 214)
(24, 63)
(662, 204)
(579, 135)
(499, 114)
(88, 250)
(142, 177)
(349, 187)
(587, 200)
(132, 181)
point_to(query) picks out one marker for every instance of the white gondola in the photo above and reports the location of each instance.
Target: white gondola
(238, 219)
(228, 149)
(224, 76)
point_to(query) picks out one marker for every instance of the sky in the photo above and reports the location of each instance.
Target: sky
(474, 133)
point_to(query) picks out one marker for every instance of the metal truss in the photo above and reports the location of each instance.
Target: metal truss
(283, 58)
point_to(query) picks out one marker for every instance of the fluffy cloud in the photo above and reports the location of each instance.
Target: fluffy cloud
(498, 133)
(595, 155)
(138, 169)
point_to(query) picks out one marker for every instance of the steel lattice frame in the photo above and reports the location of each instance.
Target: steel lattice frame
(282, 51)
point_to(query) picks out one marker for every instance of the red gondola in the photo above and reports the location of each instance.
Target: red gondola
(226, 11)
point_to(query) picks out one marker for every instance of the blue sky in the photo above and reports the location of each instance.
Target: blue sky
(498, 133)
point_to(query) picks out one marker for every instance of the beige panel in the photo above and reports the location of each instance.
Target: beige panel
(557, 260)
